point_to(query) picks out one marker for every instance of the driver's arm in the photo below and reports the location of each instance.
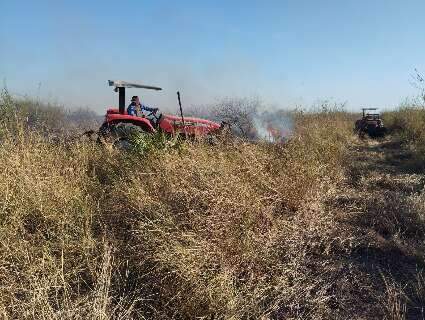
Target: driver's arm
(149, 109)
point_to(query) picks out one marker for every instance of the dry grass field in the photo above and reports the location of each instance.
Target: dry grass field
(325, 226)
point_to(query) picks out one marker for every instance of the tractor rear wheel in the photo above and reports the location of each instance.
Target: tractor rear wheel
(120, 135)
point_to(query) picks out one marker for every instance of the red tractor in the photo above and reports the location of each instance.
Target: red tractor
(119, 126)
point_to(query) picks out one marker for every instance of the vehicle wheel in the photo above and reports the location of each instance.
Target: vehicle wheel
(211, 139)
(122, 144)
(121, 134)
(125, 130)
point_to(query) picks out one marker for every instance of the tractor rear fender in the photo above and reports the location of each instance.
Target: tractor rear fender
(113, 119)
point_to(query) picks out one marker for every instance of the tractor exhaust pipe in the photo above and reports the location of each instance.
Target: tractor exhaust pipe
(181, 113)
(180, 104)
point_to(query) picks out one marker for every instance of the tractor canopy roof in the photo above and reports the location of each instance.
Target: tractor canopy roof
(125, 84)
(370, 114)
(370, 109)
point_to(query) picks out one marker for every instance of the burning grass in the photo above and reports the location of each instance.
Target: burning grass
(236, 230)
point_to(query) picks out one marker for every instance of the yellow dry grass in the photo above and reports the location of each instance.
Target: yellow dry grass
(232, 231)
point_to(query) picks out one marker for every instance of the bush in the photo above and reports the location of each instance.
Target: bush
(173, 229)
(408, 123)
(48, 119)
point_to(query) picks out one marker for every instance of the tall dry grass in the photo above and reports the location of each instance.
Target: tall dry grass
(408, 123)
(232, 231)
(46, 118)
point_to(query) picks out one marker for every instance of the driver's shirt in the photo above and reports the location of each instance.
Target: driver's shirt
(135, 110)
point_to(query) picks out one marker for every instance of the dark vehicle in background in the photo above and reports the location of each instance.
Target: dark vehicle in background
(371, 124)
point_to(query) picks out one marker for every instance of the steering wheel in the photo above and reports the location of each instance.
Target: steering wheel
(157, 115)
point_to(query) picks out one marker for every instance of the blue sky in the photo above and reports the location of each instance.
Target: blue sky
(286, 52)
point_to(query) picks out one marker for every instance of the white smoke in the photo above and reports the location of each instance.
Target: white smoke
(249, 118)
(261, 128)
(273, 126)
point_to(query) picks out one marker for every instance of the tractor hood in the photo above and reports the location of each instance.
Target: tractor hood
(192, 126)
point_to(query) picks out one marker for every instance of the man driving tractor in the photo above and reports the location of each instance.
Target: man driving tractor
(137, 109)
